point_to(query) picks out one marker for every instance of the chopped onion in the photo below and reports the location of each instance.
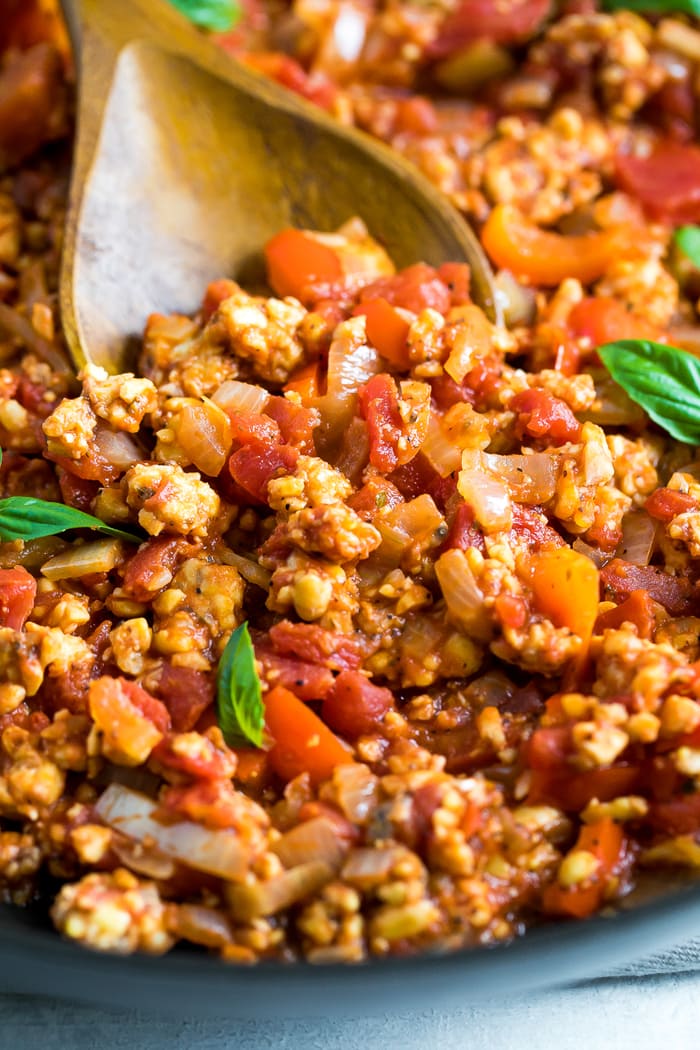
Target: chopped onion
(253, 901)
(204, 434)
(355, 789)
(488, 497)
(596, 555)
(249, 569)
(219, 853)
(143, 859)
(440, 450)
(638, 537)
(531, 479)
(612, 407)
(315, 839)
(464, 599)
(351, 362)
(517, 302)
(367, 868)
(201, 925)
(120, 449)
(84, 560)
(354, 451)
(233, 396)
(13, 324)
(403, 526)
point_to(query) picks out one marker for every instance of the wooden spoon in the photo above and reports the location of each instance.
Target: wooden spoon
(186, 162)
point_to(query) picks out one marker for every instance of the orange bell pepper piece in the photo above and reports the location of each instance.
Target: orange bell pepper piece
(305, 382)
(302, 742)
(387, 330)
(294, 260)
(565, 587)
(605, 840)
(543, 257)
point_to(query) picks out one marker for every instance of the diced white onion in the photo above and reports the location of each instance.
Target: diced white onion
(233, 396)
(351, 362)
(249, 569)
(530, 479)
(253, 901)
(440, 450)
(464, 599)
(219, 853)
(314, 839)
(117, 447)
(517, 302)
(355, 789)
(83, 560)
(639, 533)
(596, 555)
(488, 497)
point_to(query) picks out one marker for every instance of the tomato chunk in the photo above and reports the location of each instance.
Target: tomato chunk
(253, 466)
(541, 414)
(415, 288)
(143, 575)
(295, 422)
(186, 692)
(605, 320)
(666, 504)
(666, 182)
(308, 641)
(503, 23)
(17, 594)
(463, 532)
(606, 841)
(355, 705)
(379, 405)
(306, 680)
(637, 609)
(619, 578)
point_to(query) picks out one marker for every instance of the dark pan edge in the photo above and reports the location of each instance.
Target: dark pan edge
(37, 961)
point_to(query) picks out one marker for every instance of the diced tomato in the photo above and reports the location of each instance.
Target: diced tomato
(463, 532)
(511, 610)
(419, 476)
(605, 320)
(678, 816)
(457, 277)
(548, 747)
(572, 791)
(201, 760)
(213, 803)
(186, 692)
(380, 408)
(448, 393)
(131, 720)
(415, 288)
(92, 467)
(619, 578)
(295, 260)
(295, 422)
(35, 398)
(542, 415)
(666, 182)
(253, 769)
(317, 88)
(254, 428)
(356, 706)
(215, 294)
(143, 575)
(152, 709)
(77, 492)
(376, 494)
(306, 680)
(416, 115)
(253, 466)
(665, 504)
(637, 609)
(317, 645)
(530, 524)
(387, 330)
(17, 594)
(503, 23)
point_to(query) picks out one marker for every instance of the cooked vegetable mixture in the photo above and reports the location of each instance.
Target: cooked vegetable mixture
(353, 623)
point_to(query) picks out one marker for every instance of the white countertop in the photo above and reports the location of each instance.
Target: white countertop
(643, 1013)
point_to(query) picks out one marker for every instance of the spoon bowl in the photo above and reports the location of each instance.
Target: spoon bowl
(187, 162)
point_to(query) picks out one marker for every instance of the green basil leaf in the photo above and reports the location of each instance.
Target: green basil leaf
(239, 706)
(664, 380)
(688, 240)
(217, 16)
(27, 518)
(655, 7)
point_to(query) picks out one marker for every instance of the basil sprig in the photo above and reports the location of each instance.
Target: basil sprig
(664, 380)
(239, 706)
(27, 518)
(655, 7)
(688, 240)
(217, 16)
